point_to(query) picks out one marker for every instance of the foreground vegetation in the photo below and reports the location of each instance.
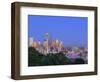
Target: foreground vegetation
(37, 59)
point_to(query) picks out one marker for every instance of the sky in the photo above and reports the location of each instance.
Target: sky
(72, 31)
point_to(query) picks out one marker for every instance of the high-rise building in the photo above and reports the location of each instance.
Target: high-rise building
(47, 46)
(60, 46)
(50, 41)
(34, 44)
(47, 36)
(31, 41)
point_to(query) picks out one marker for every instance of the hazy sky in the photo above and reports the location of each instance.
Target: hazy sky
(72, 31)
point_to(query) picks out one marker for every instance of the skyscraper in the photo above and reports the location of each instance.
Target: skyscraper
(31, 41)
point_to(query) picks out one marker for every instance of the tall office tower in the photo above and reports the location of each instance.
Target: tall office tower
(50, 41)
(60, 46)
(47, 42)
(31, 41)
(47, 36)
(57, 42)
(39, 46)
(39, 43)
(34, 45)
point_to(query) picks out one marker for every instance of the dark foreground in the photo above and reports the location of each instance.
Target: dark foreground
(37, 59)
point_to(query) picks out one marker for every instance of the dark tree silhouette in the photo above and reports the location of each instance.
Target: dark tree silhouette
(37, 59)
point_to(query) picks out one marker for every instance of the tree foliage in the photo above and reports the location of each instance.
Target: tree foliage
(37, 59)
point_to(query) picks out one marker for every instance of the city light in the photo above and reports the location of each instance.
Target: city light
(55, 46)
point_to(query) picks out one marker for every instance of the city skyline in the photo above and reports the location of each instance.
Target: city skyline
(55, 47)
(72, 31)
(49, 46)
